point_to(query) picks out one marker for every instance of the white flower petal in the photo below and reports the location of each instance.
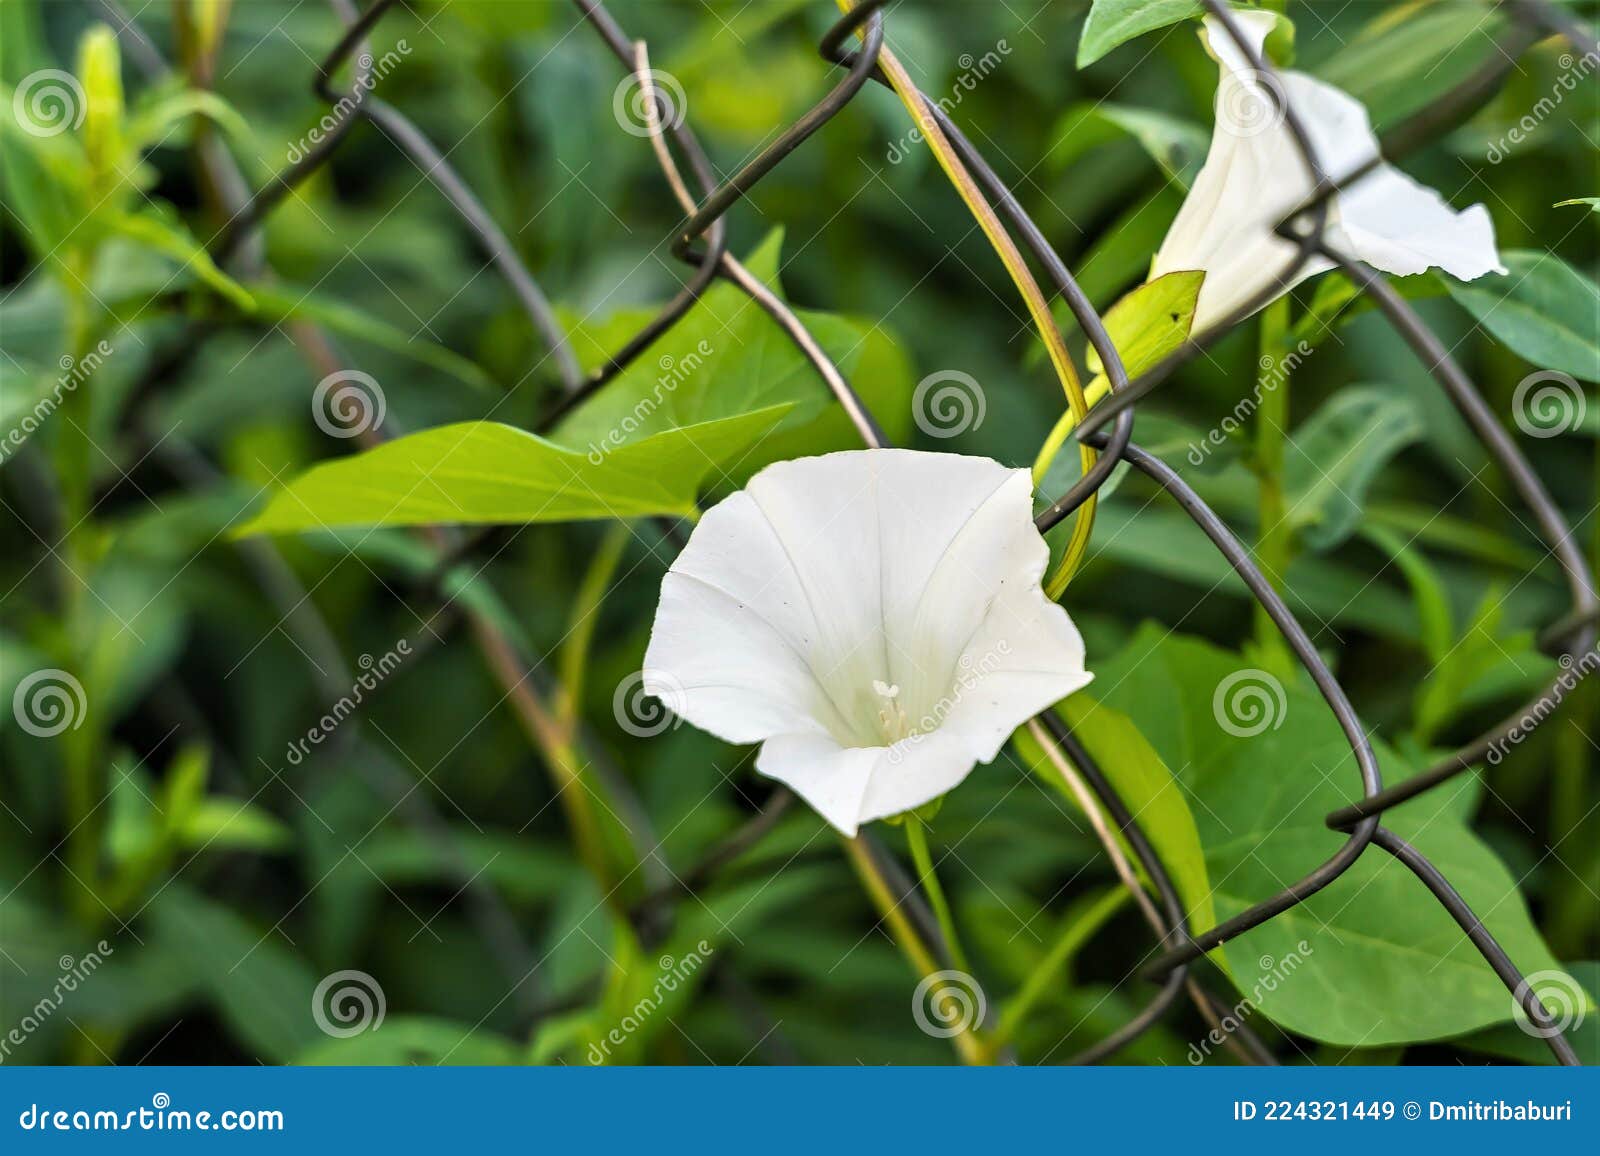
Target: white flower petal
(831, 778)
(1387, 219)
(840, 604)
(842, 571)
(1250, 181)
(1254, 25)
(946, 567)
(915, 771)
(849, 786)
(1393, 223)
(1026, 656)
(715, 661)
(1255, 175)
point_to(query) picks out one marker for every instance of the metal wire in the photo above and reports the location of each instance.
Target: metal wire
(1575, 631)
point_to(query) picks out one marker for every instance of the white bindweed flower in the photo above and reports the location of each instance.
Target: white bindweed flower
(872, 618)
(1254, 176)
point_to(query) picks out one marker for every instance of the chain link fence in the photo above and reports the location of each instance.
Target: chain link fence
(855, 44)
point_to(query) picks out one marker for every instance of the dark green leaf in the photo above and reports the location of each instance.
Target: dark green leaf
(727, 358)
(1178, 146)
(1408, 55)
(1334, 456)
(1371, 959)
(1544, 310)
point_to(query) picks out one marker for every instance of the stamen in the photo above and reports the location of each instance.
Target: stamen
(891, 716)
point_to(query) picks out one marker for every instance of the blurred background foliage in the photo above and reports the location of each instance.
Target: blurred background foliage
(427, 844)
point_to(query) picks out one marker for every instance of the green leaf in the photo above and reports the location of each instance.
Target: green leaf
(1114, 22)
(1151, 792)
(1159, 539)
(476, 473)
(1375, 959)
(727, 358)
(644, 995)
(152, 123)
(137, 620)
(1336, 301)
(1410, 54)
(1544, 310)
(280, 303)
(1150, 322)
(522, 870)
(1334, 456)
(1592, 202)
(1516, 1042)
(163, 233)
(228, 825)
(100, 71)
(1427, 590)
(46, 181)
(1488, 662)
(261, 988)
(1178, 146)
(412, 1040)
(132, 827)
(1122, 254)
(121, 984)
(876, 367)
(1425, 524)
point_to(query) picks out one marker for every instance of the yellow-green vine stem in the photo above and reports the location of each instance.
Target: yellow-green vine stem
(1077, 929)
(969, 1047)
(75, 465)
(585, 616)
(917, 837)
(1016, 267)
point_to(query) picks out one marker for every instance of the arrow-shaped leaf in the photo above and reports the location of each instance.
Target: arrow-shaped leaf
(487, 473)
